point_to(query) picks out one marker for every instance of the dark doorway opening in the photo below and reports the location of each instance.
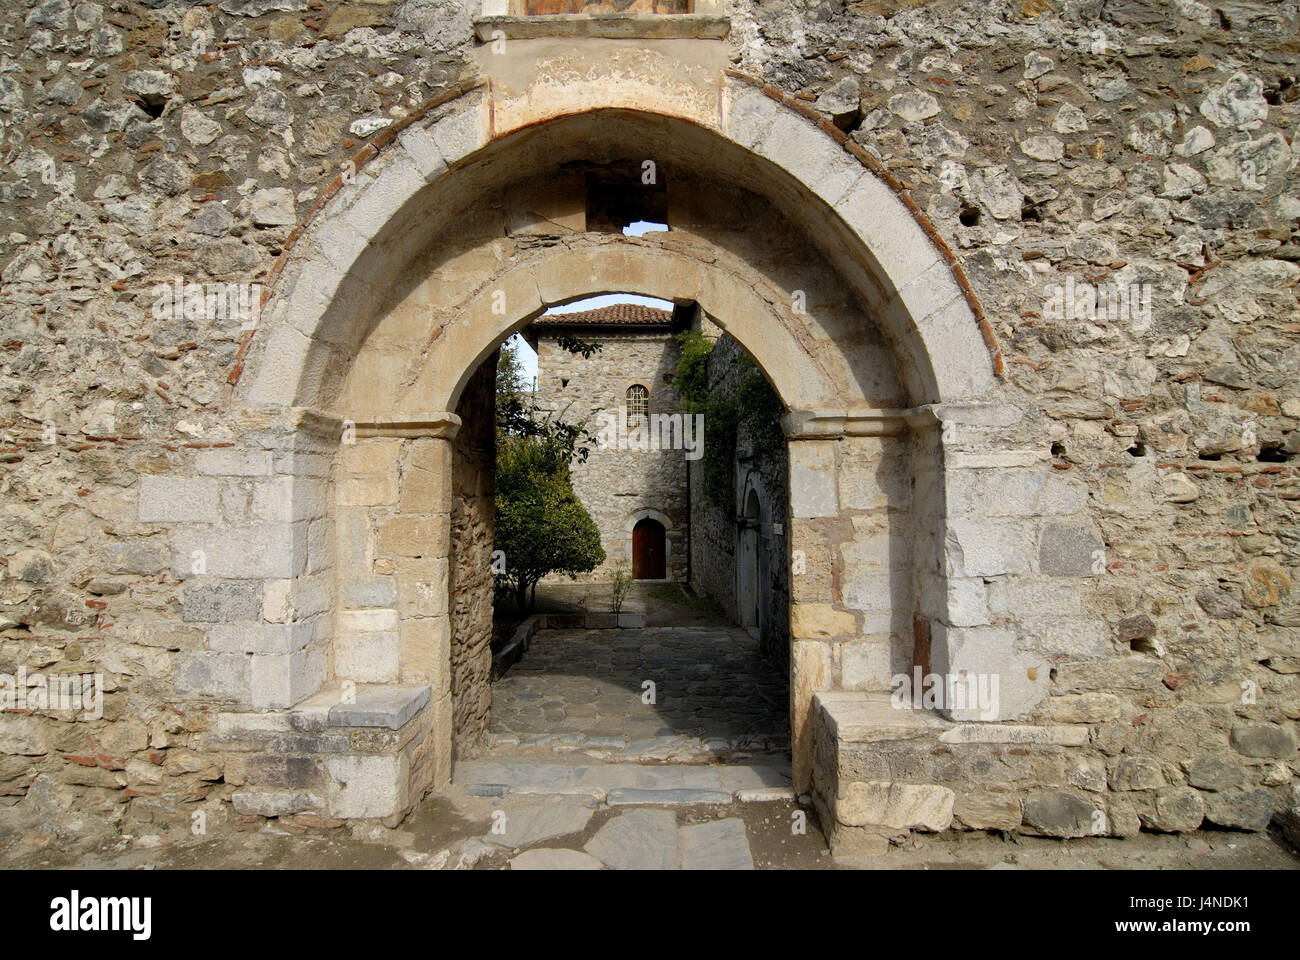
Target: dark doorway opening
(648, 550)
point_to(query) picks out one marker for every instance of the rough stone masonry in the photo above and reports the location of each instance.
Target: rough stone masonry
(1023, 273)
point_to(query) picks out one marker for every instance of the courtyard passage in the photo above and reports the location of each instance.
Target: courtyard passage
(657, 694)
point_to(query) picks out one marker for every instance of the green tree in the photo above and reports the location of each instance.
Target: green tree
(541, 525)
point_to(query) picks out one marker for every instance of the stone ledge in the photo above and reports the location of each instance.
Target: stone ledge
(439, 424)
(388, 705)
(822, 424)
(615, 26)
(869, 717)
(509, 655)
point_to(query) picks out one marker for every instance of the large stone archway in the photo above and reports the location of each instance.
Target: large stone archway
(387, 303)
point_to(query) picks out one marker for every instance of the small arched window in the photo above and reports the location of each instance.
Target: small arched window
(638, 404)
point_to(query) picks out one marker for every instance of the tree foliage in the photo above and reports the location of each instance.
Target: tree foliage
(541, 526)
(752, 403)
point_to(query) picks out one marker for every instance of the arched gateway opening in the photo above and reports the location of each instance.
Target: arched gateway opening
(467, 225)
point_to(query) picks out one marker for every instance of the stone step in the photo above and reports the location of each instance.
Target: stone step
(868, 717)
(388, 705)
(671, 796)
(626, 783)
(678, 748)
(373, 706)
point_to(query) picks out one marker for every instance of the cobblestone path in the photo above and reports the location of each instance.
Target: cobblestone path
(714, 697)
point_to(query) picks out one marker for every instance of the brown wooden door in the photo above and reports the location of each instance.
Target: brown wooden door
(648, 550)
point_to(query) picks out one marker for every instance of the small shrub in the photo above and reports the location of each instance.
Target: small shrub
(622, 584)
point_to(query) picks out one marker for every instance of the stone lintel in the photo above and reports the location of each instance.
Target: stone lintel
(441, 425)
(826, 424)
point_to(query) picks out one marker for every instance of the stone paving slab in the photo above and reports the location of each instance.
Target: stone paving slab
(716, 845)
(753, 777)
(637, 840)
(580, 691)
(651, 840)
(531, 824)
(555, 859)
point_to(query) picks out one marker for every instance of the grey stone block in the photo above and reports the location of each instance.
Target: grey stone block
(221, 602)
(1263, 740)
(1067, 550)
(1060, 815)
(716, 845)
(178, 500)
(1174, 810)
(280, 680)
(738, 778)
(1137, 773)
(456, 135)
(366, 786)
(217, 674)
(255, 552)
(311, 743)
(1218, 603)
(1240, 809)
(423, 151)
(233, 462)
(1216, 773)
(273, 803)
(1287, 816)
(277, 770)
(143, 557)
(368, 592)
(261, 638)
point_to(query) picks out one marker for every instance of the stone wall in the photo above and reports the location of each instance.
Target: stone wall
(470, 583)
(616, 485)
(1114, 531)
(759, 462)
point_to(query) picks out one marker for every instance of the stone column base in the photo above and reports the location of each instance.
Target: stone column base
(364, 753)
(881, 772)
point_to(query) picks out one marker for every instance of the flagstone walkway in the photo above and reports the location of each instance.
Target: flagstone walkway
(682, 694)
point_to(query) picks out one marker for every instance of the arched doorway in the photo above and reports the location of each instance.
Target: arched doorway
(839, 295)
(648, 550)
